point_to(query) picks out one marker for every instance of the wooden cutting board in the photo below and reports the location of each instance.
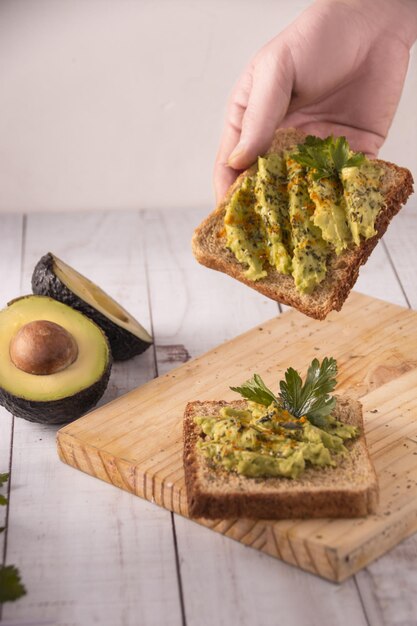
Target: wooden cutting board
(135, 442)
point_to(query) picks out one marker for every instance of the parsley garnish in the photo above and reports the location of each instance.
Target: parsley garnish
(3, 479)
(11, 587)
(310, 399)
(327, 157)
(256, 391)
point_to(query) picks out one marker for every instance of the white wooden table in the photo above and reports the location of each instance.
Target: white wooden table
(92, 554)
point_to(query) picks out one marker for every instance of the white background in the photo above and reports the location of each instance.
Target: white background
(108, 104)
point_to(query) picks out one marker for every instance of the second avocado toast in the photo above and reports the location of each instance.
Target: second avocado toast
(299, 454)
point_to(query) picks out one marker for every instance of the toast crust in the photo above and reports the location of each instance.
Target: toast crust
(348, 490)
(209, 243)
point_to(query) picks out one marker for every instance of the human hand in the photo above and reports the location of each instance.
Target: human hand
(338, 68)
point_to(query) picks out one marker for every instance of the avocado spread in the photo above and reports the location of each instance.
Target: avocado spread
(300, 208)
(269, 441)
(278, 435)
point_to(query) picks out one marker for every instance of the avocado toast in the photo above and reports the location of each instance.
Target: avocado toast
(350, 490)
(211, 245)
(301, 453)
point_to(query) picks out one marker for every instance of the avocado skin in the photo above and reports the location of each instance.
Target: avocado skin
(59, 411)
(124, 345)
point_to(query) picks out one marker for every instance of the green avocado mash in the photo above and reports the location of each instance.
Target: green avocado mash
(300, 208)
(269, 441)
(272, 207)
(363, 198)
(310, 249)
(244, 231)
(330, 211)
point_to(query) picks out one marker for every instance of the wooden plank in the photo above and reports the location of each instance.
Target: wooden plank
(6, 430)
(5, 449)
(388, 586)
(243, 586)
(101, 556)
(401, 248)
(377, 278)
(248, 587)
(151, 446)
(11, 227)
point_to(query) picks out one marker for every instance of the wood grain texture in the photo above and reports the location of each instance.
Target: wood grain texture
(136, 442)
(377, 274)
(402, 250)
(389, 598)
(11, 227)
(6, 430)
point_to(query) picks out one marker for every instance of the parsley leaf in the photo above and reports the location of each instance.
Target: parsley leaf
(3, 479)
(11, 587)
(355, 160)
(290, 391)
(311, 399)
(256, 391)
(327, 157)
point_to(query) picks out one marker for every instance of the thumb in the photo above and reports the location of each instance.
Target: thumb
(272, 82)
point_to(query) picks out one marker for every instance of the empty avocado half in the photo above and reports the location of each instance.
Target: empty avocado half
(52, 277)
(54, 362)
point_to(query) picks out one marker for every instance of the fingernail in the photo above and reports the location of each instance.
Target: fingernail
(240, 148)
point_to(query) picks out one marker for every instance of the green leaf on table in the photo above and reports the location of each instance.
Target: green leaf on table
(3, 479)
(11, 587)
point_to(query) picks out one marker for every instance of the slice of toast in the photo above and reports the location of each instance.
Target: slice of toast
(209, 243)
(348, 490)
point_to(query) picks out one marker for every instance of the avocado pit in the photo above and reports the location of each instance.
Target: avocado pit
(43, 348)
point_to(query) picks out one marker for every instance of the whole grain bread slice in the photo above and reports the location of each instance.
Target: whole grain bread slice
(348, 490)
(209, 242)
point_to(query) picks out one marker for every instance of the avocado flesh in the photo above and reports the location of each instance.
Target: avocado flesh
(64, 395)
(52, 277)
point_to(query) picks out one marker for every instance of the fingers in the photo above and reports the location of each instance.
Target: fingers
(224, 175)
(267, 105)
(256, 108)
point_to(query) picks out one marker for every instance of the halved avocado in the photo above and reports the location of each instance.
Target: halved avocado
(55, 362)
(52, 277)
